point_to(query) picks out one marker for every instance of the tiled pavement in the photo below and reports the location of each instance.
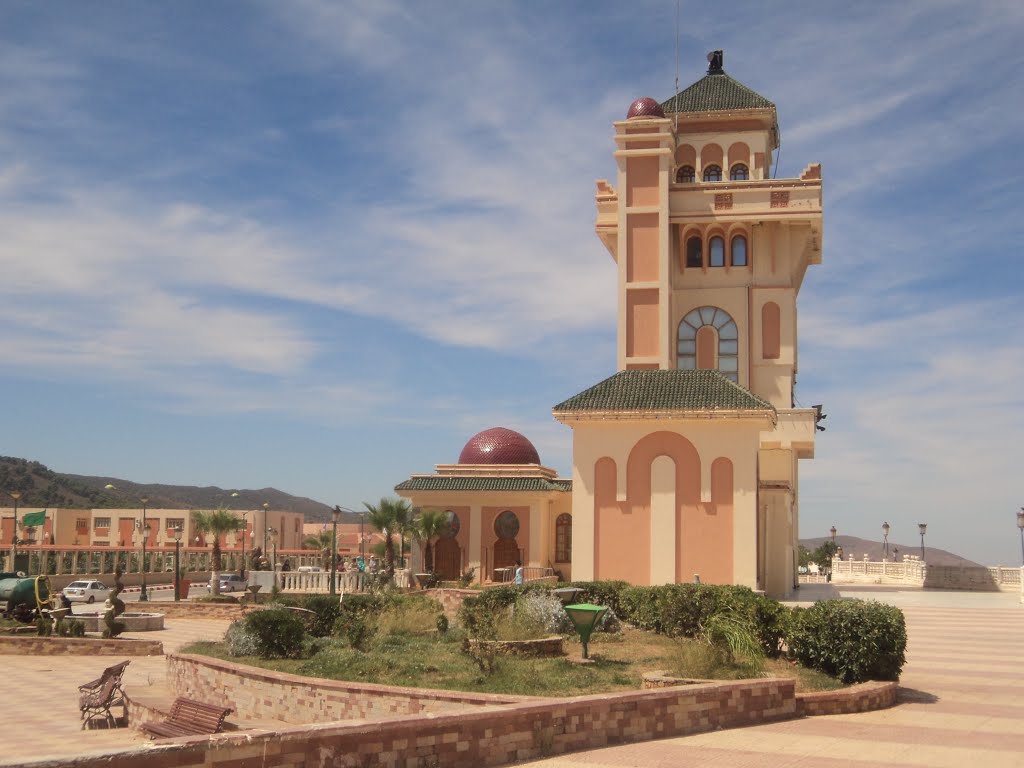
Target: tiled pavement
(41, 695)
(962, 702)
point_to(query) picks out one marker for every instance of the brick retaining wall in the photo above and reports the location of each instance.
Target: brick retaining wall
(191, 610)
(479, 738)
(865, 697)
(260, 694)
(78, 646)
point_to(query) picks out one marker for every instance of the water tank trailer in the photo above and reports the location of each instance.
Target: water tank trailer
(24, 597)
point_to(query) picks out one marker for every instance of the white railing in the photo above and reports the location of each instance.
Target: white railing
(913, 571)
(319, 582)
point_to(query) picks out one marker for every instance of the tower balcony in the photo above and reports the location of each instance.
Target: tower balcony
(771, 199)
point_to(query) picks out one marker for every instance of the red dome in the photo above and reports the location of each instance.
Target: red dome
(499, 446)
(645, 107)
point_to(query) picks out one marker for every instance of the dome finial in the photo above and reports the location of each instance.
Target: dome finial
(715, 62)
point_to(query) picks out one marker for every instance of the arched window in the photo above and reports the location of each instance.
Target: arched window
(685, 174)
(563, 538)
(739, 172)
(716, 252)
(719, 325)
(739, 251)
(694, 252)
(713, 173)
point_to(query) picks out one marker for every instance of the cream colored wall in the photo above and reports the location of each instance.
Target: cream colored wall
(641, 337)
(538, 527)
(735, 440)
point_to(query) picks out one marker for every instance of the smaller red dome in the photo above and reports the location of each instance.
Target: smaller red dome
(645, 107)
(499, 446)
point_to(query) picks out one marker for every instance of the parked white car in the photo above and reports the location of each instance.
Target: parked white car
(230, 582)
(86, 591)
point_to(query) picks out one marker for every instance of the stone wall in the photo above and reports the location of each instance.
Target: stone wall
(188, 609)
(451, 599)
(975, 578)
(480, 737)
(34, 645)
(259, 694)
(865, 697)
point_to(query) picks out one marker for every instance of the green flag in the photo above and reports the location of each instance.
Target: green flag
(34, 518)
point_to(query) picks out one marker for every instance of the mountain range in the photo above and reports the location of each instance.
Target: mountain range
(40, 486)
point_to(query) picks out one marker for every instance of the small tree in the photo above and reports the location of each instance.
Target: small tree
(403, 523)
(322, 543)
(216, 523)
(383, 517)
(429, 525)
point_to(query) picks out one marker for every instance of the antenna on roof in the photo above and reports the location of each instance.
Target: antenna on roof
(676, 90)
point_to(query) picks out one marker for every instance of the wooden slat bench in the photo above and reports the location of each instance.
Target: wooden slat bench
(189, 718)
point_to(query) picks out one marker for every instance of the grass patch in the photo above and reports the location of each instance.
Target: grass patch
(404, 652)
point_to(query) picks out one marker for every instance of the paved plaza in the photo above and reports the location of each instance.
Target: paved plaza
(961, 701)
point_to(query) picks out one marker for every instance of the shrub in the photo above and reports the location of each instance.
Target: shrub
(44, 628)
(546, 611)
(239, 641)
(442, 624)
(733, 635)
(326, 610)
(603, 593)
(609, 623)
(851, 640)
(215, 599)
(277, 632)
(76, 628)
(477, 614)
(467, 577)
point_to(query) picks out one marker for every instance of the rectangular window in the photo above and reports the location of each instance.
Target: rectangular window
(175, 523)
(100, 522)
(82, 524)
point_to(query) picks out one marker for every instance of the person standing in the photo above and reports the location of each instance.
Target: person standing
(519, 573)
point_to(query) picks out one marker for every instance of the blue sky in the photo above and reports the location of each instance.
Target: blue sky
(318, 245)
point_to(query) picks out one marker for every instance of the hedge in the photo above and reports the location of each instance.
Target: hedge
(852, 640)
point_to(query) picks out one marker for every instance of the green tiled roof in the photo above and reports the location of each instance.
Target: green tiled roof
(639, 391)
(443, 483)
(716, 92)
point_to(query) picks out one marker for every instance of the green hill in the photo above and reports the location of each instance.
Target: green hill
(40, 486)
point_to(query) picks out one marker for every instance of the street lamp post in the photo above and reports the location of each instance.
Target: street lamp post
(336, 514)
(885, 539)
(266, 528)
(144, 531)
(177, 564)
(14, 530)
(241, 568)
(833, 532)
(1020, 527)
(922, 528)
(362, 519)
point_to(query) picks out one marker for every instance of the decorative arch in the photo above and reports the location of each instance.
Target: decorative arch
(739, 153)
(770, 330)
(711, 154)
(693, 351)
(686, 155)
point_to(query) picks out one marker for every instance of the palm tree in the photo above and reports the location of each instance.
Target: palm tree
(403, 523)
(216, 523)
(322, 543)
(383, 517)
(429, 526)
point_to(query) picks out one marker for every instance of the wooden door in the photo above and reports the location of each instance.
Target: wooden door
(447, 559)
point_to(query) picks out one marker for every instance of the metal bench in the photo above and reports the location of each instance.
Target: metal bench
(97, 696)
(188, 718)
